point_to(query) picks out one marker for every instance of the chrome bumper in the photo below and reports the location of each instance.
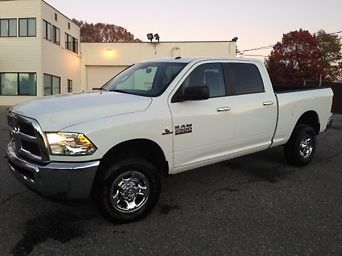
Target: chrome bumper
(60, 180)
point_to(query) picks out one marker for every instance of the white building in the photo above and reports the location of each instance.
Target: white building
(40, 53)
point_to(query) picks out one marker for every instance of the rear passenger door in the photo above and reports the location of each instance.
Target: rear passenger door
(252, 118)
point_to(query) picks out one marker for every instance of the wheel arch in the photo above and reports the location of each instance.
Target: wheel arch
(145, 148)
(311, 119)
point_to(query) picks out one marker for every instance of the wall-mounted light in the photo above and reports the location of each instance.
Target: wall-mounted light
(176, 52)
(109, 53)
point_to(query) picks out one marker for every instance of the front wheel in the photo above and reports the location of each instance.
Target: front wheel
(128, 190)
(300, 148)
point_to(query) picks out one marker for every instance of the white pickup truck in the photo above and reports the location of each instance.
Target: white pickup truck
(158, 118)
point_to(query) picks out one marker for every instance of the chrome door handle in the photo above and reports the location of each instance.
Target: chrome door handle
(223, 109)
(268, 103)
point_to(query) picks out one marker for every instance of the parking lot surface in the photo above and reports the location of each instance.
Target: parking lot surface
(252, 205)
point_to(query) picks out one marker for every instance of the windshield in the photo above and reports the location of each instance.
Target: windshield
(145, 79)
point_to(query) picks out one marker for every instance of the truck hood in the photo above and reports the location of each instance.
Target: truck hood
(55, 113)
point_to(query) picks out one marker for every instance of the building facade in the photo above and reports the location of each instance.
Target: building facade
(41, 53)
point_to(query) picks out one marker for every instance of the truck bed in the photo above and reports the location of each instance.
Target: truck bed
(293, 102)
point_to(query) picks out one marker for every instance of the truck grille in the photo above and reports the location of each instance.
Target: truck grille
(29, 140)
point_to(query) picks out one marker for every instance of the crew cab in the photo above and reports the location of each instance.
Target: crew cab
(154, 119)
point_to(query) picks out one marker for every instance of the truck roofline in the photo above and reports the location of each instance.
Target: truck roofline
(198, 59)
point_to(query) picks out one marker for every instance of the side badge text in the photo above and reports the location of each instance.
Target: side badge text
(183, 129)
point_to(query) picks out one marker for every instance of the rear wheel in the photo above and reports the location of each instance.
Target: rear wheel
(300, 148)
(127, 190)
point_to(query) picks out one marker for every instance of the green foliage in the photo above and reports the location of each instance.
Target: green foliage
(104, 33)
(330, 47)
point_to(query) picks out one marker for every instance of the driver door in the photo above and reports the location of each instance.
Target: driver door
(200, 128)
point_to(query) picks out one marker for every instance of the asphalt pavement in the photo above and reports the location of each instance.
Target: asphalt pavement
(252, 205)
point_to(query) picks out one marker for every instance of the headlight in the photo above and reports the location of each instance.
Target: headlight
(71, 144)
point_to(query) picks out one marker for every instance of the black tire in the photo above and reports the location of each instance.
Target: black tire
(295, 151)
(144, 173)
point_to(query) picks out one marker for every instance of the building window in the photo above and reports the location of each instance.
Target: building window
(9, 84)
(27, 84)
(52, 85)
(56, 17)
(51, 33)
(13, 84)
(71, 43)
(75, 45)
(68, 25)
(68, 41)
(69, 85)
(56, 35)
(27, 27)
(8, 27)
(47, 30)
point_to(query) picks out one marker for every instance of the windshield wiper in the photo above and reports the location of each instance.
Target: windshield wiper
(99, 89)
(118, 90)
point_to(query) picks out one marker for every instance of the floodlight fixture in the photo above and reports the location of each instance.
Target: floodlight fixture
(235, 39)
(150, 37)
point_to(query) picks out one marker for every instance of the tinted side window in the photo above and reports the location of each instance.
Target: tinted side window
(242, 78)
(210, 75)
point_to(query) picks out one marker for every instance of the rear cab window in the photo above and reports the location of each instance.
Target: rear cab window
(242, 78)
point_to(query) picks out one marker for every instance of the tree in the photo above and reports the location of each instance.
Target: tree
(295, 59)
(104, 33)
(339, 74)
(330, 47)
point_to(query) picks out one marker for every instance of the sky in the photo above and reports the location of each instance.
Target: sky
(255, 23)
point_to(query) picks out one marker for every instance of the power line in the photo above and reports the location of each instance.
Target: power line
(333, 33)
(271, 46)
(254, 55)
(258, 48)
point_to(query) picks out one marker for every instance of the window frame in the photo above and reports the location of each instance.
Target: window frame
(57, 39)
(8, 25)
(70, 85)
(51, 33)
(175, 97)
(18, 83)
(46, 28)
(71, 43)
(52, 77)
(75, 45)
(27, 27)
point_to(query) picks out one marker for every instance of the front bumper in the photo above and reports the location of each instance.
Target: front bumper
(60, 180)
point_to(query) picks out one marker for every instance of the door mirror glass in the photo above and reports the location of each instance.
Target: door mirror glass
(196, 93)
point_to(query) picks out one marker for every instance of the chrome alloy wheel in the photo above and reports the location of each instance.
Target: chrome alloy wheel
(306, 147)
(130, 191)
